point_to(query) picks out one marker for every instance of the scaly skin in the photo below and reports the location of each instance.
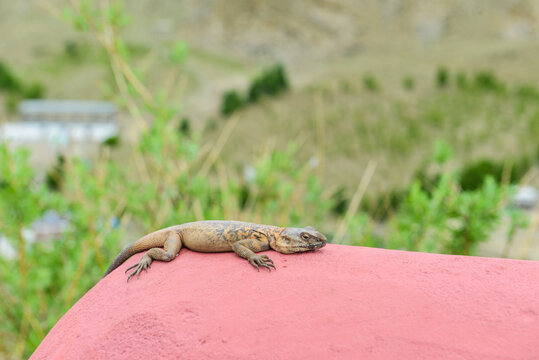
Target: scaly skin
(245, 239)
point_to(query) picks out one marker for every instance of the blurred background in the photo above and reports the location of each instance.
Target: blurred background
(398, 124)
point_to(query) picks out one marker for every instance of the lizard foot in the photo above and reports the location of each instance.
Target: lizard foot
(262, 260)
(143, 264)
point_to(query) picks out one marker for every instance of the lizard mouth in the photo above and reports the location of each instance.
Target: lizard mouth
(317, 245)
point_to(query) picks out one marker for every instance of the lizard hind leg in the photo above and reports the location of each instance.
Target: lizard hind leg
(171, 248)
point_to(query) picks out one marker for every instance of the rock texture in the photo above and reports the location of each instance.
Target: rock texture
(340, 302)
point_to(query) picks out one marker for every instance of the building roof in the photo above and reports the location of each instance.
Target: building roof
(32, 109)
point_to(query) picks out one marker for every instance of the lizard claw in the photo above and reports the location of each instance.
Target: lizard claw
(131, 267)
(263, 260)
(143, 264)
(253, 262)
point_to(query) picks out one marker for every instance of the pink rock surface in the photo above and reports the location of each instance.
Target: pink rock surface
(340, 302)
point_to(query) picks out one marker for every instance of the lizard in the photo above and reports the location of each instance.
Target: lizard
(243, 238)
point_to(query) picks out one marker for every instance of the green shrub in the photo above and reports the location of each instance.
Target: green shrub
(462, 80)
(34, 91)
(446, 220)
(112, 141)
(390, 203)
(486, 80)
(179, 52)
(12, 101)
(271, 82)
(442, 77)
(185, 126)
(370, 83)
(408, 83)
(340, 201)
(54, 178)
(72, 49)
(231, 102)
(8, 81)
(15, 90)
(472, 176)
(528, 92)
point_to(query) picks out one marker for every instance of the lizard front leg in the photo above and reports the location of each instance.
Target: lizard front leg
(247, 248)
(170, 249)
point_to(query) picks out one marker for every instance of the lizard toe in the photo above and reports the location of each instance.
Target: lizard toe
(253, 262)
(131, 275)
(266, 266)
(260, 260)
(131, 267)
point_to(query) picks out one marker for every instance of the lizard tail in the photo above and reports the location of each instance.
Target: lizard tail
(121, 258)
(155, 239)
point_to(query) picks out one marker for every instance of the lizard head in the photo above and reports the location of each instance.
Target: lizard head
(294, 240)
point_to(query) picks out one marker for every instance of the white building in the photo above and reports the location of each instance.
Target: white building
(49, 127)
(61, 122)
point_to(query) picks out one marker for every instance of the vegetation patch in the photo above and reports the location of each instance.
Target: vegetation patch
(16, 90)
(271, 82)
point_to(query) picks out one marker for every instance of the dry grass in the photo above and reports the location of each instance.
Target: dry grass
(396, 130)
(327, 49)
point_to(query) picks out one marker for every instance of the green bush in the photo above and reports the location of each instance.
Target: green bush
(72, 49)
(486, 80)
(54, 178)
(231, 102)
(12, 101)
(383, 205)
(185, 126)
(462, 80)
(16, 90)
(370, 83)
(447, 220)
(442, 77)
(112, 141)
(528, 92)
(34, 91)
(408, 83)
(271, 82)
(340, 201)
(8, 81)
(472, 176)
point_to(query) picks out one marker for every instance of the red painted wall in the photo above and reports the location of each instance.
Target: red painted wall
(340, 302)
